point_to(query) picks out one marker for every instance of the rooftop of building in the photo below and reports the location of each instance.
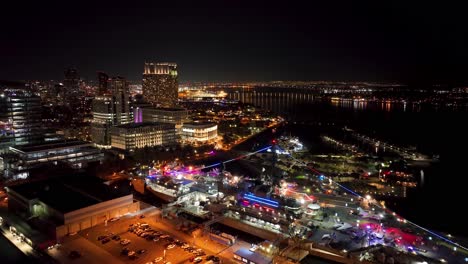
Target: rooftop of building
(169, 109)
(200, 124)
(252, 256)
(50, 145)
(144, 124)
(70, 193)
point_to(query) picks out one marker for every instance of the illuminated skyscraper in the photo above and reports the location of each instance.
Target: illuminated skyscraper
(160, 84)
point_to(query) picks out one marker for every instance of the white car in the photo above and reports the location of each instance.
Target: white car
(125, 242)
(171, 246)
(156, 260)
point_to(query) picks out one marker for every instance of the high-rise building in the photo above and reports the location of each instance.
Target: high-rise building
(110, 110)
(160, 84)
(71, 86)
(103, 119)
(20, 118)
(121, 95)
(103, 80)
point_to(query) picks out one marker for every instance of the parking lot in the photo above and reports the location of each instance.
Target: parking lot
(154, 249)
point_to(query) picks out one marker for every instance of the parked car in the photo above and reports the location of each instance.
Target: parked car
(105, 240)
(125, 251)
(170, 246)
(158, 259)
(141, 251)
(125, 242)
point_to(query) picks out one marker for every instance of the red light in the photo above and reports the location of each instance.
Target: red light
(274, 141)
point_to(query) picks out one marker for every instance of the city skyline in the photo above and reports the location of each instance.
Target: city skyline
(233, 132)
(228, 42)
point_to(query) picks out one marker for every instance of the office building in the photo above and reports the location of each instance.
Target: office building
(20, 118)
(118, 86)
(160, 84)
(73, 153)
(103, 80)
(110, 110)
(138, 106)
(103, 119)
(66, 205)
(71, 87)
(175, 116)
(198, 133)
(131, 137)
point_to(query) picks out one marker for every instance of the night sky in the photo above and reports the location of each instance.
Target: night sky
(237, 40)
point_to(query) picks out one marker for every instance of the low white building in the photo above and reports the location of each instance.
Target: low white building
(134, 136)
(199, 133)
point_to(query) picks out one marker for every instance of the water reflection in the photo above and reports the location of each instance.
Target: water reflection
(290, 102)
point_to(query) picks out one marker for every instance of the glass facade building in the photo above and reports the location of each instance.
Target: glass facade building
(20, 118)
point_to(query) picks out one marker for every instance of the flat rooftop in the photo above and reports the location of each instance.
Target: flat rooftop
(169, 109)
(70, 193)
(144, 124)
(51, 145)
(252, 256)
(199, 124)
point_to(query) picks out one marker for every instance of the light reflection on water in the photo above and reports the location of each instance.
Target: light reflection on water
(288, 102)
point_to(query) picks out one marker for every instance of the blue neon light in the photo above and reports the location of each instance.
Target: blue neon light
(260, 198)
(262, 202)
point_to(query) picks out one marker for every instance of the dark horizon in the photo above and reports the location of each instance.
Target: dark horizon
(261, 41)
